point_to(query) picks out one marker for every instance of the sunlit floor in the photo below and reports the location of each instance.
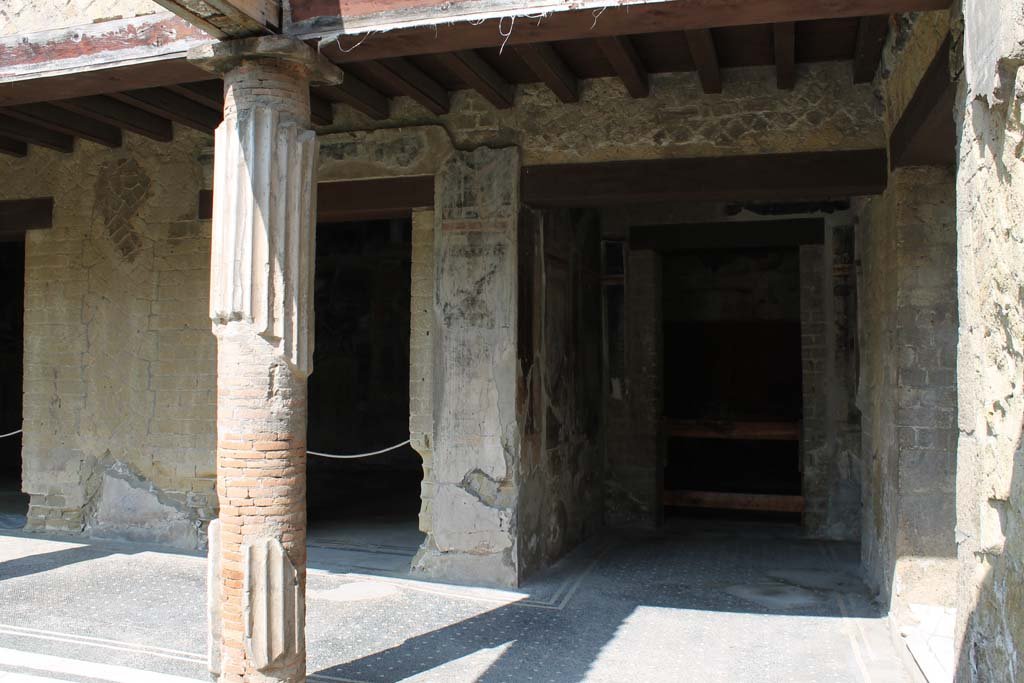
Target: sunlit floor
(701, 601)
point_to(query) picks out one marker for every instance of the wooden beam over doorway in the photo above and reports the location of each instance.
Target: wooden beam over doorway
(728, 234)
(19, 215)
(765, 177)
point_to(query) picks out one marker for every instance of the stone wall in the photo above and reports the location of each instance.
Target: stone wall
(421, 356)
(907, 386)
(990, 357)
(27, 16)
(823, 112)
(119, 382)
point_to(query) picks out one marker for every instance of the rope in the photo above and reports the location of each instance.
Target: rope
(4, 436)
(360, 455)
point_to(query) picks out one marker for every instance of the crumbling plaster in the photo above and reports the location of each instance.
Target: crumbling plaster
(119, 377)
(990, 360)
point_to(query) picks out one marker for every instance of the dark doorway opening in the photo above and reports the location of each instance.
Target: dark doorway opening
(13, 503)
(359, 389)
(732, 382)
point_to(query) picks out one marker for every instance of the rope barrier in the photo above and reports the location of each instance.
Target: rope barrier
(322, 455)
(360, 455)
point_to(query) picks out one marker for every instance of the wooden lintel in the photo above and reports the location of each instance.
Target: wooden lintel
(925, 134)
(730, 430)
(69, 123)
(354, 200)
(479, 75)
(358, 95)
(622, 56)
(728, 234)
(19, 215)
(705, 58)
(229, 18)
(122, 115)
(871, 33)
(549, 67)
(12, 147)
(360, 30)
(765, 177)
(407, 78)
(177, 108)
(34, 134)
(784, 41)
(718, 500)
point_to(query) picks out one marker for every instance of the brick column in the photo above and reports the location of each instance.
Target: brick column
(261, 303)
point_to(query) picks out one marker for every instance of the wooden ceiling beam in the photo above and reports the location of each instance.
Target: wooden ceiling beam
(784, 40)
(622, 56)
(357, 95)
(408, 79)
(705, 57)
(122, 115)
(479, 75)
(551, 69)
(768, 177)
(12, 147)
(35, 134)
(69, 123)
(177, 108)
(226, 19)
(871, 33)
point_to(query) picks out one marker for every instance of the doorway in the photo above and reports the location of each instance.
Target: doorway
(732, 382)
(359, 391)
(13, 503)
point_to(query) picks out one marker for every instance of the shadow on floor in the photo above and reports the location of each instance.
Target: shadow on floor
(638, 588)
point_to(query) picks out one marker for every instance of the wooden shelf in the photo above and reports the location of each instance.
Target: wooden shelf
(734, 501)
(711, 429)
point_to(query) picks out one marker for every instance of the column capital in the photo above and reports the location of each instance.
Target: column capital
(221, 57)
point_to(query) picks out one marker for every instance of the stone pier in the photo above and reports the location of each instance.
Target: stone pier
(261, 305)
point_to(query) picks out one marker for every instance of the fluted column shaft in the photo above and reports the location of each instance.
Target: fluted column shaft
(261, 308)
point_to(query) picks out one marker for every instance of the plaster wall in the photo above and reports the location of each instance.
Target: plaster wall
(119, 369)
(990, 360)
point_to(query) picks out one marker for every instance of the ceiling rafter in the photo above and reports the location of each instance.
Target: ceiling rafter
(621, 54)
(549, 67)
(173, 106)
(410, 80)
(358, 95)
(70, 123)
(122, 115)
(784, 45)
(35, 135)
(481, 76)
(12, 147)
(705, 58)
(871, 33)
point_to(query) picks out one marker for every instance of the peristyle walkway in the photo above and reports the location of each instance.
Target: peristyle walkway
(699, 602)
